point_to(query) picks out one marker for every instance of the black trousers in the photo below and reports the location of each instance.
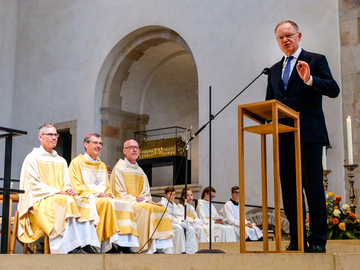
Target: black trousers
(312, 181)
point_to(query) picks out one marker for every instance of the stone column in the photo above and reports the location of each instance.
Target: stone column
(349, 17)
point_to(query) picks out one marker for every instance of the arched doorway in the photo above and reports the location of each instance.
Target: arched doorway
(150, 82)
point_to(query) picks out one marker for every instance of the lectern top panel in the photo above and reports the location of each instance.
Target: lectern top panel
(264, 110)
(6, 132)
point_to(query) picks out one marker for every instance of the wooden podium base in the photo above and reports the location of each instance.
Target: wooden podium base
(267, 115)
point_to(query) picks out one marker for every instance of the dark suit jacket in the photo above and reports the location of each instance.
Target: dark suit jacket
(303, 98)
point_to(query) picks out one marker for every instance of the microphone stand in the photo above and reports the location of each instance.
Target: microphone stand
(212, 117)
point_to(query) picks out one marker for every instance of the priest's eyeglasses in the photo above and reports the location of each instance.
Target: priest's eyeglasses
(50, 135)
(97, 143)
(132, 147)
(286, 36)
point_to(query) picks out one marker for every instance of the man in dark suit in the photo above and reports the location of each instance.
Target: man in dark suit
(299, 81)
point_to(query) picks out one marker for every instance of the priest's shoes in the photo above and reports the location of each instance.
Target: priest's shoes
(315, 249)
(125, 250)
(89, 249)
(114, 250)
(291, 247)
(77, 250)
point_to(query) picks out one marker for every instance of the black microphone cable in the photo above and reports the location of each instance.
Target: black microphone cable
(166, 207)
(265, 71)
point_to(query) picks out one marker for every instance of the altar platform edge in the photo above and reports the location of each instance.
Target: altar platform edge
(341, 254)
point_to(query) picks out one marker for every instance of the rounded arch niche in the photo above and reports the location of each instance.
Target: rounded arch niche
(149, 81)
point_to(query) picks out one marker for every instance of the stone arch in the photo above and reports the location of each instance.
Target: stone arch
(131, 53)
(132, 75)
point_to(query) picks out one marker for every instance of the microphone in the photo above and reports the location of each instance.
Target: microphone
(266, 71)
(197, 132)
(185, 133)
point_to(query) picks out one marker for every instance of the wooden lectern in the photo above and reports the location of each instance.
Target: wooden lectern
(262, 113)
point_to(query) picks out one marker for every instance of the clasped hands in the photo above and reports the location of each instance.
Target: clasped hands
(249, 224)
(104, 195)
(184, 224)
(143, 199)
(69, 192)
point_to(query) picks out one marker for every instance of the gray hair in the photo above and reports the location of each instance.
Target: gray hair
(42, 127)
(288, 21)
(87, 138)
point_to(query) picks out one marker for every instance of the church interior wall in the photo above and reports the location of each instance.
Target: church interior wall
(62, 49)
(8, 22)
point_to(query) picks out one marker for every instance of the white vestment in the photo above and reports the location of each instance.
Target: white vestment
(194, 221)
(129, 181)
(67, 220)
(116, 220)
(230, 211)
(181, 243)
(220, 233)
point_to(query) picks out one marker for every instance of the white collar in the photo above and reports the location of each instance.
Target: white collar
(89, 158)
(44, 151)
(126, 160)
(296, 54)
(166, 201)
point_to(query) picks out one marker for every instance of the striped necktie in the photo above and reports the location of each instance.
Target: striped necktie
(286, 75)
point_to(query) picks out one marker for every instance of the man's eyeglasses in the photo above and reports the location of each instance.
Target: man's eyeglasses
(50, 135)
(97, 143)
(132, 147)
(286, 36)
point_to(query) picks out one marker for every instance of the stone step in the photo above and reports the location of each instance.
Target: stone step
(342, 254)
(333, 246)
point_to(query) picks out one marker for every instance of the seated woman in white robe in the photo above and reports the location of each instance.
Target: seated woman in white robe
(230, 211)
(182, 244)
(192, 217)
(220, 231)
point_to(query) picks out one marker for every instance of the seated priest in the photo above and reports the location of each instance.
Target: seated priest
(50, 205)
(230, 211)
(220, 231)
(117, 229)
(184, 242)
(130, 182)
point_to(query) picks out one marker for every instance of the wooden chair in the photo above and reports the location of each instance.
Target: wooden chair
(14, 220)
(28, 247)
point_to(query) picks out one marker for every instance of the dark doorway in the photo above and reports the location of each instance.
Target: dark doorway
(63, 147)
